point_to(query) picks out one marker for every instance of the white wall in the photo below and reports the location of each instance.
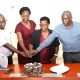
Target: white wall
(51, 8)
(39, 8)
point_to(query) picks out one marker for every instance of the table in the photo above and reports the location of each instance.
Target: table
(70, 75)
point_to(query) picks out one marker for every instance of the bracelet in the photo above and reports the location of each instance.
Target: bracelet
(55, 55)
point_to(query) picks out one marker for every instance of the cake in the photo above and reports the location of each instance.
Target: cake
(33, 69)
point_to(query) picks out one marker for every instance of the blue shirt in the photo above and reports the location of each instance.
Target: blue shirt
(70, 38)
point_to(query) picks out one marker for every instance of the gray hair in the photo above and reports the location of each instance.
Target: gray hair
(67, 12)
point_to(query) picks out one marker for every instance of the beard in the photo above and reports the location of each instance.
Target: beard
(66, 24)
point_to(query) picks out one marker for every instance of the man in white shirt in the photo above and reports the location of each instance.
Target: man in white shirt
(6, 48)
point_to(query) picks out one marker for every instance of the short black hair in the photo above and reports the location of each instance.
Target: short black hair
(45, 18)
(24, 9)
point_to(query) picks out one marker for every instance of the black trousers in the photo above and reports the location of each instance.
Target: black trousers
(10, 60)
(71, 57)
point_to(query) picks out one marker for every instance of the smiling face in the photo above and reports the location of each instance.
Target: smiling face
(2, 22)
(44, 25)
(66, 18)
(25, 16)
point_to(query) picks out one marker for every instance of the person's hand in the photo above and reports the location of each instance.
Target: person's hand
(26, 52)
(33, 52)
(53, 59)
(23, 54)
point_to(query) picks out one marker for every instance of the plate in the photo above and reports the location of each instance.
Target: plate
(59, 69)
